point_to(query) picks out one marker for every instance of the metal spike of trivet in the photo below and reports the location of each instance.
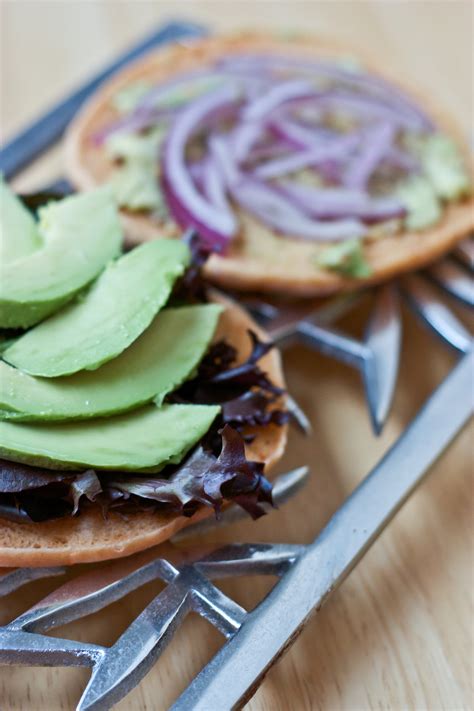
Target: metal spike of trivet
(376, 356)
(307, 574)
(452, 275)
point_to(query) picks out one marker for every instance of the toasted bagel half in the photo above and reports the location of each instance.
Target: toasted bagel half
(259, 259)
(89, 537)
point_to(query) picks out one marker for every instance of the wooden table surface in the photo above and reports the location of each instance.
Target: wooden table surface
(398, 634)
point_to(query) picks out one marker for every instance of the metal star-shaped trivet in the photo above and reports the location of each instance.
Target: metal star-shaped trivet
(308, 574)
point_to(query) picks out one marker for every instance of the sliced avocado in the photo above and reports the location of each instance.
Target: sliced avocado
(135, 181)
(135, 187)
(345, 258)
(5, 342)
(419, 198)
(142, 147)
(144, 440)
(81, 234)
(444, 167)
(119, 306)
(129, 97)
(19, 234)
(154, 365)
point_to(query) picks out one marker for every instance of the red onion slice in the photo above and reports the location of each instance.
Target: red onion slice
(331, 170)
(185, 201)
(297, 135)
(269, 206)
(267, 151)
(365, 107)
(213, 240)
(196, 170)
(374, 148)
(279, 94)
(213, 185)
(381, 89)
(337, 149)
(333, 203)
(221, 154)
(244, 137)
(300, 95)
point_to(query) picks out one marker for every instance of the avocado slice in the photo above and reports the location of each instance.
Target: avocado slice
(119, 306)
(345, 258)
(154, 365)
(419, 198)
(81, 234)
(19, 234)
(144, 440)
(135, 187)
(443, 165)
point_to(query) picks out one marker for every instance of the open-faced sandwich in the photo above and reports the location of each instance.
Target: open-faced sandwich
(130, 399)
(302, 165)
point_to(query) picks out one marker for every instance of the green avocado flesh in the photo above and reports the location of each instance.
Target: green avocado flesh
(442, 163)
(119, 306)
(419, 198)
(135, 187)
(145, 440)
(345, 258)
(19, 234)
(80, 235)
(154, 365)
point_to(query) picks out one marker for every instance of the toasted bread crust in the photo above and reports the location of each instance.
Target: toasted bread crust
(259, 260)
(88, 537)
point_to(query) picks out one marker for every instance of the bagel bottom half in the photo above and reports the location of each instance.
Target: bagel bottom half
(89, 537)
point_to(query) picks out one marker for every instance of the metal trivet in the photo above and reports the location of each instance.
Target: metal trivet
(307, 574)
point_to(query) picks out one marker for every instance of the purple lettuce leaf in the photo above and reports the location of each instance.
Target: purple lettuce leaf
(245, 393)
(86, 484)
(31, 494)
(204, 479)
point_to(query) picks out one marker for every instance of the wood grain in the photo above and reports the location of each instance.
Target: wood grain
(398, 634)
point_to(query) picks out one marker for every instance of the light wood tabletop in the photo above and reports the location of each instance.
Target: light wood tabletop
(398, 634)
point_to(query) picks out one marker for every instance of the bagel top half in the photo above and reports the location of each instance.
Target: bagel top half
(258, 259)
